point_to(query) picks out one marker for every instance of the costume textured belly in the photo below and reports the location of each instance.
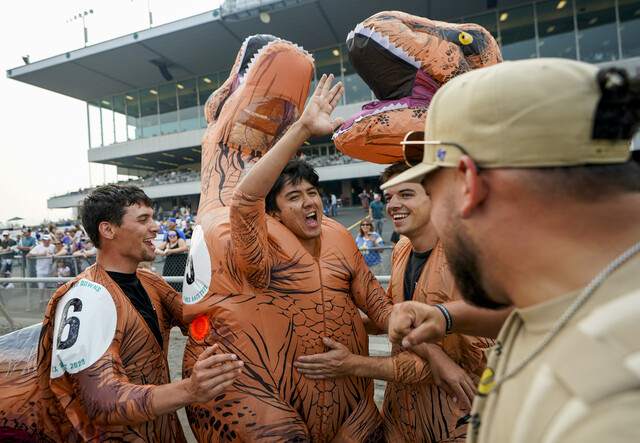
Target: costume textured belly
(405, 59)
(260, 294)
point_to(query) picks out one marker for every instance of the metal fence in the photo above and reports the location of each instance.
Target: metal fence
(27, 292)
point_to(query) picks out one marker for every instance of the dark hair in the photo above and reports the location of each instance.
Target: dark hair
(108, 203)
(293, 173)
(395, 169)
(361, 232)
(589, 183)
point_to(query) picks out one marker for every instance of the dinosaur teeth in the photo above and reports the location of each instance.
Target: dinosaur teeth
(383, 40)
(388, 107)
(259, 52)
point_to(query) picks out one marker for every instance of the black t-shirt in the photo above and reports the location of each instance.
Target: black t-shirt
(7, 244)
(414, 268)
(133, 289)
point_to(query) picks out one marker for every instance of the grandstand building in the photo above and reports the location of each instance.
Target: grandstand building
(145, 91)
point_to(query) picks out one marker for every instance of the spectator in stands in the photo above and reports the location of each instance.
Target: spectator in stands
(377, 213)
(86, 254)
(62, 270)
(172, 225)
(26, 244)
(79, 231)
(7, 250)
(174, 250)
(334, 205)
(67, 237)
(44, 252)
(188, 232)
(368, 238)
(364, 199)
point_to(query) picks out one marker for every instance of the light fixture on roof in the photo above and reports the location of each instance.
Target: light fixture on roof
(207, 80)
(153, 91)
(180, 86)
(128, 97)
(265, 17)
(504, 16)
(561, 4)
(335, 52)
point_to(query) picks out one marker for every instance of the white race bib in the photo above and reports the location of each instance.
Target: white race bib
(85, 323)
(197, 272)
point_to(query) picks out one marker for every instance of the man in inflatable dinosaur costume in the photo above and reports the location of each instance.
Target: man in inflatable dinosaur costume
(101, 371)
(269, 316)
(405, 59)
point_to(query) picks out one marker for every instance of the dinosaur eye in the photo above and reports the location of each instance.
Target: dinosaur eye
(465, 39)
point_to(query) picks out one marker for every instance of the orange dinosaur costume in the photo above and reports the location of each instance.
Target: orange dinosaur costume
(250, 285)
(414, 408)
(97, 365)
(405, 59)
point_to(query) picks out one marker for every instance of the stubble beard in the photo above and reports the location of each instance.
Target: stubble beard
(465, 266)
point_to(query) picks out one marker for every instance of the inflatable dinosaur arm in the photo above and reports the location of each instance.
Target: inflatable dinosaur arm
(367, 293)
(249, 238)
(405, 59)
(108, 397)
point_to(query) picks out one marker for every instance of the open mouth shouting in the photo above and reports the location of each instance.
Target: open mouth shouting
(312, 219)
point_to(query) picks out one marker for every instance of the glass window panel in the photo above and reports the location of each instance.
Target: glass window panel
(517, 33)
(629, 11)
(108, 134)
(188, 105)
(95, 126)
(597, 33)
(168, 101)
(487, 21)
(206, 85)
(328, 62)
(134, 122)
(120, 118)
(149, 112)
(556, 36)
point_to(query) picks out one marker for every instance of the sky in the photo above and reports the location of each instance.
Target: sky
(43, 135)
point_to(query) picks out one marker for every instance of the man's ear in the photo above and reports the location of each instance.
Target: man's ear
(473, 188)
(106, 230)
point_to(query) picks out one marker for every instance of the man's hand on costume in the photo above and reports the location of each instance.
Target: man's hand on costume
(316, 117)
(212, 374)
(413, 322)
(335, 363)
(449, 376)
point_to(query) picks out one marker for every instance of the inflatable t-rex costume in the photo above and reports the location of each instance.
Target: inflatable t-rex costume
(405, 59)
(96, 365)
(270, 316)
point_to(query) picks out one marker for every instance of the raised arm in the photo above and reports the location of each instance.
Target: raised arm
(315, 121)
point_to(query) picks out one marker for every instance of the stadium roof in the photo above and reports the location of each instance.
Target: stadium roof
(209, 42)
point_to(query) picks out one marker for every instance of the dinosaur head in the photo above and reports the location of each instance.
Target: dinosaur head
(404, 59)
(264, 94)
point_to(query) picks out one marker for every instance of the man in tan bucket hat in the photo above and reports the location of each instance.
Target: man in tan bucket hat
(536, 200)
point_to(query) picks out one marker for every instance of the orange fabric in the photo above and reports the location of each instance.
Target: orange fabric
(266, 299)
(111, 399)
(436, 46)
(414, 408)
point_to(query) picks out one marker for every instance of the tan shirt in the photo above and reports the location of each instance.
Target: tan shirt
(584, 385)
